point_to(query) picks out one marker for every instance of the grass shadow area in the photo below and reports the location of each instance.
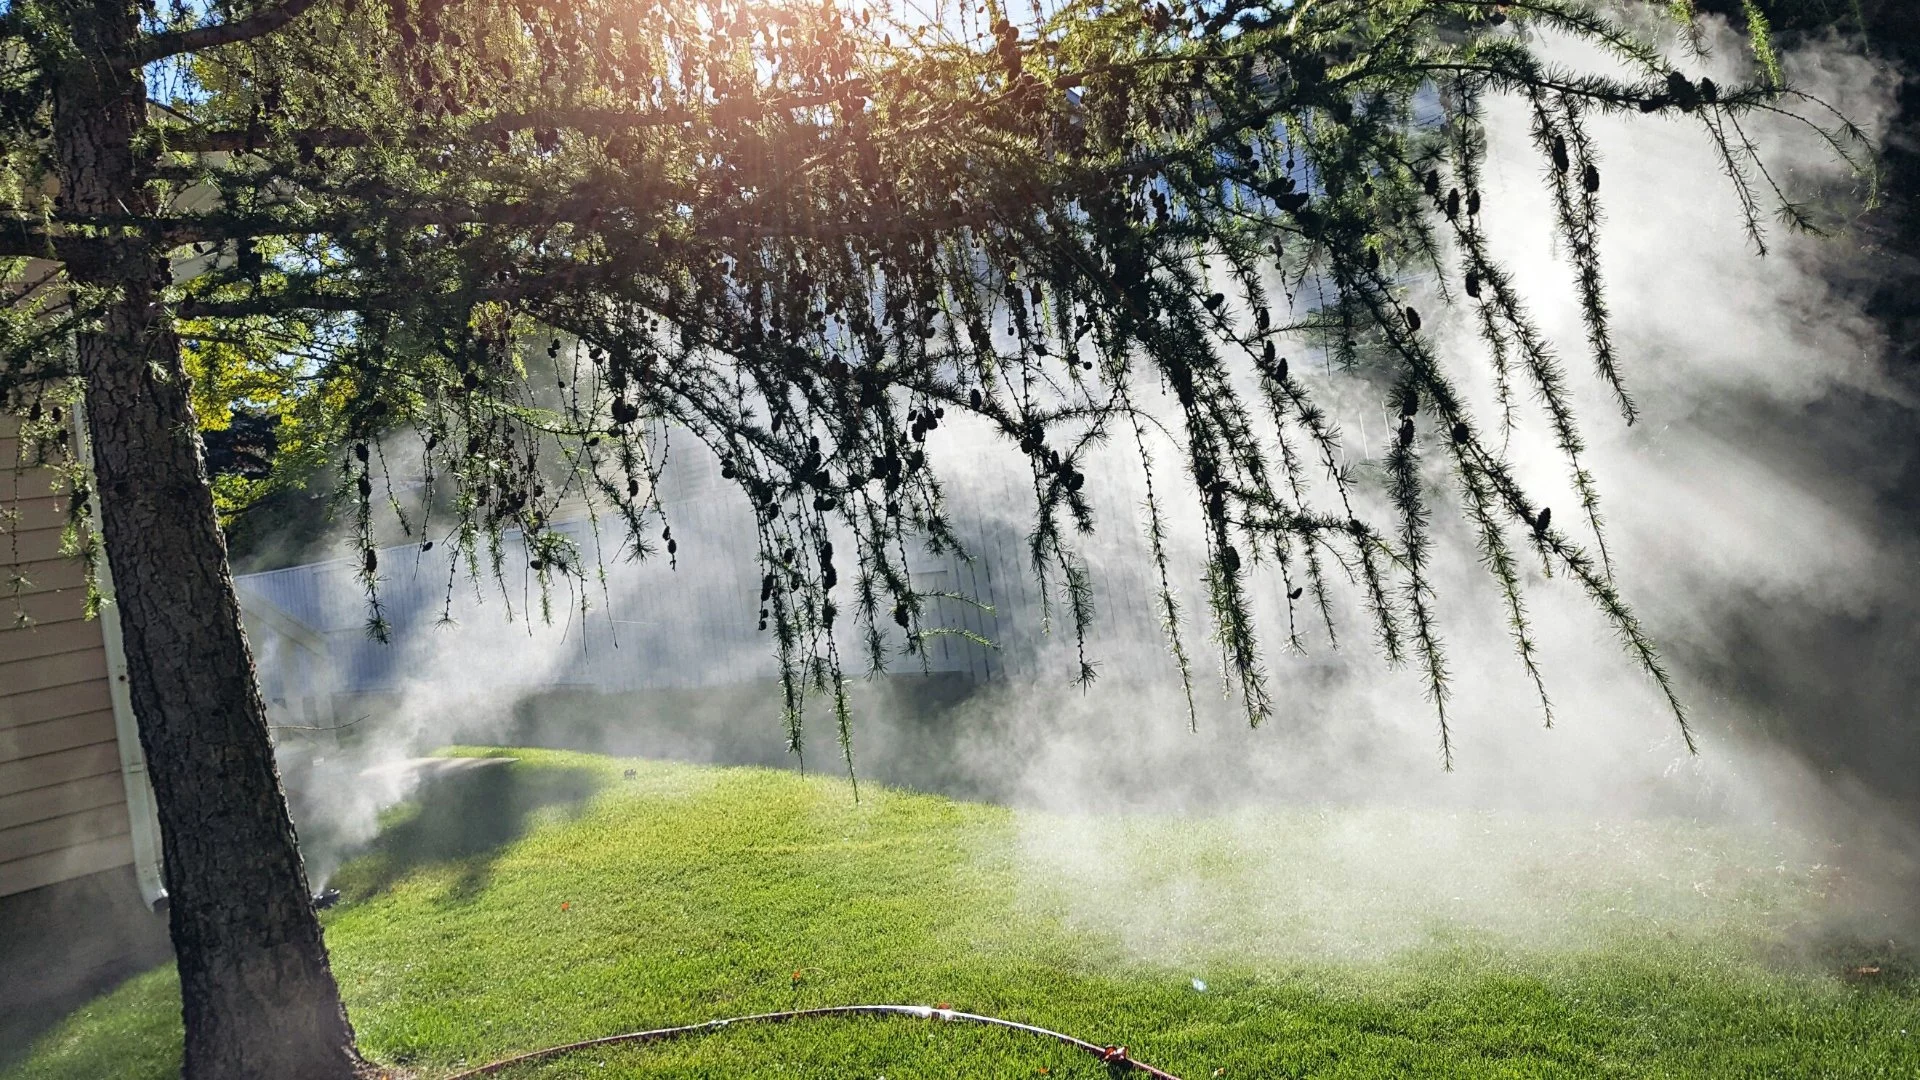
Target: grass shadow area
(64, 944)
(465, 817)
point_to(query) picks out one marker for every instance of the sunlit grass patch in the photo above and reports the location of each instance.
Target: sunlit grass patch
(596, 903)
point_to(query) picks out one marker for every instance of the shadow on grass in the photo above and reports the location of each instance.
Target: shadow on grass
(1865, 953)
(64, 944)
(1884, 963)
(464, 819)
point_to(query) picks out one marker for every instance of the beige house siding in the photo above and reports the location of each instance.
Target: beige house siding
(63, 800)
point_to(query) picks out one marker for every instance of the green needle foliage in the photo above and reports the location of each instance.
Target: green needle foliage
(558, 241)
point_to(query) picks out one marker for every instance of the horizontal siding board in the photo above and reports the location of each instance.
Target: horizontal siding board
(10, 449)
(48, 639)
(86, 793)
(26, 483)
(66, 831)
(49, 736)
(27, 545)
(22, 676)
(59, 767)
(50, 575)
(41, 609)
(35, 871)
(32, 512)
(54, 702)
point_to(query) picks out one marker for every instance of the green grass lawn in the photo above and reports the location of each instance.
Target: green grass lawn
(562, 900)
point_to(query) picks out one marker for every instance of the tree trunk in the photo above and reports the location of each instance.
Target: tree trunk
(257, 994)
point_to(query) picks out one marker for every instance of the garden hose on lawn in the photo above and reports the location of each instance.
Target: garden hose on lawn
(1112, 1055)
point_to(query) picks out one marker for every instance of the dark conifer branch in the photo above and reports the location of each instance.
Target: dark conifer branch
(25, 240)
(191, 140)
(200, 38)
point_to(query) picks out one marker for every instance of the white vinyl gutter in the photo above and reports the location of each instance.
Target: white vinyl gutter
(142, 816)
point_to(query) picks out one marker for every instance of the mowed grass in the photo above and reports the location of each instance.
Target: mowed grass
(563, 900)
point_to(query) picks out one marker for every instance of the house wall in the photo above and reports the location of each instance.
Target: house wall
(63, 802)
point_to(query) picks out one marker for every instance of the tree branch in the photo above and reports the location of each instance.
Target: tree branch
(596, 121)
(27, 240)
(258, 24)
(279, 304)
(19, 240)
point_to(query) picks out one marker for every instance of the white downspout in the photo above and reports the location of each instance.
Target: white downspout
(142, 817)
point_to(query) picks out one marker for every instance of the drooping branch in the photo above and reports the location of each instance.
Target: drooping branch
(782, 273)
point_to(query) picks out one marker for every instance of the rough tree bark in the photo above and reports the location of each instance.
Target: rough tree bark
(257, 994)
